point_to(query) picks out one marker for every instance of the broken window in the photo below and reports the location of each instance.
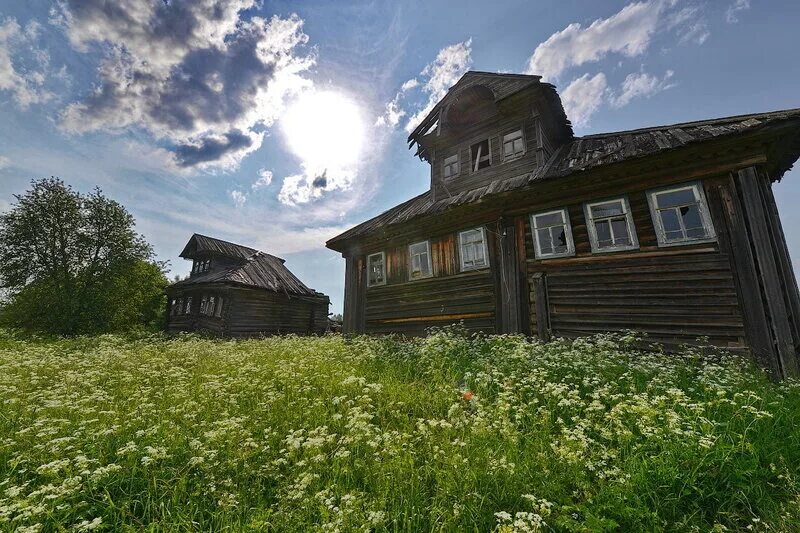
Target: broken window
(680, 215)
(481, 156)
(513, 145)
(420, 258)
(450, 167)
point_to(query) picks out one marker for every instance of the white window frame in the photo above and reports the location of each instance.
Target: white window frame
(369, 269)
(411, 260)
(515, 155)
(218, 311)
(474, 167)
(567, 230)
(467, 268)
(188, 303)
(590, 224)
(445, 165)
(203, 304)
(702, 204)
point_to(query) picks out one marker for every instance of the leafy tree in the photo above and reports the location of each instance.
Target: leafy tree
(71, 263)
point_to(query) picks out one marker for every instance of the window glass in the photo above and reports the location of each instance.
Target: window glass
(681, 215)
(480, 155)
(210, 306)
(512, 145)
(219, 306)
(450, 166)
(610, 226)
(376, 269)
(188, 309)
(473, 249)
(552, 234)
(420, 259)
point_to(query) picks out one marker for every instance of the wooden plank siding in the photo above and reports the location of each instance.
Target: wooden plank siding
(673, 294)
(252, 313)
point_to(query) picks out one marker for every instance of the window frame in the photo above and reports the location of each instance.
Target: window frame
(464, 268)
(503, 136)
(218, 310)
(472, 166)
(445, 164)
(369, 263)
(188, 303)
(427, 244)
(590, 226)
(567, 230)
(701, 202)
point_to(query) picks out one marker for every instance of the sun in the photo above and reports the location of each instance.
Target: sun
(325, 129)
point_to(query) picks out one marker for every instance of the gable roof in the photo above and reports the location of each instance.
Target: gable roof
(502, 86)
(253, 268)
(580, 154)
(203, 244)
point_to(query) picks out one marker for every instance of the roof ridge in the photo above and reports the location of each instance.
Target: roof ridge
(709, 121)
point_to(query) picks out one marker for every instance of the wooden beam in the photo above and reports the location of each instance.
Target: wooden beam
(766, 261)
(728, 217)
(542, 309)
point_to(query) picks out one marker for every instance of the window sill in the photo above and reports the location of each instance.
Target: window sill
(686, 242)
(614, 249)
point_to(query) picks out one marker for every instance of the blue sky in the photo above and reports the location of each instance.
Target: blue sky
(279, 124)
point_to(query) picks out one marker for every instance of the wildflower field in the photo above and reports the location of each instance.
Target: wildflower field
(446, 433)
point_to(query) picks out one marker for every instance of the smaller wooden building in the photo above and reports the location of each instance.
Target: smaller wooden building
(238, 291)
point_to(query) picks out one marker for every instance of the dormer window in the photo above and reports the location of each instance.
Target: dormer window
(450, 166)
(480, 155)
(513, 145)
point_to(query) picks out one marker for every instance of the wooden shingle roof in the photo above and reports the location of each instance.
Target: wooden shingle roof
(253, 268)
(580, 154)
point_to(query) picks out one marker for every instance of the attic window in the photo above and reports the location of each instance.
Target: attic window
(480, 155)
(513, 145)
(376, 269)
(450, 166)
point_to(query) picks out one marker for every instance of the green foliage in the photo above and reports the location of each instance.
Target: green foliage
(446, 433)
(73, 264)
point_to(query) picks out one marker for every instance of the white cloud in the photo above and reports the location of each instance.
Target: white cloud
(450, 64)
(239, 198)
(410, 84)
(393, 113)
(264, 179)
(583, 97)
(24, 68)
(197, 75)
(641, 85)
(628, 32)
(4, 162)
(731, 14)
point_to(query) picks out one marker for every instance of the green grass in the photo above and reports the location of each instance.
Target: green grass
(288, 434)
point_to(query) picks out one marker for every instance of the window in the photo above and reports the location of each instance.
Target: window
(420, 260)
(680, 215)
(513, 145)
(450, 166)
(473, 249)
(203, 304)
(219, 307)
(481, 157)
(188, 309)
(552, 234)
(610, 225)
(173, 307)
(376, 269)
(210, 306)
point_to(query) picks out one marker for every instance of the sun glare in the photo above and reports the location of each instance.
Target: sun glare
(325, 130)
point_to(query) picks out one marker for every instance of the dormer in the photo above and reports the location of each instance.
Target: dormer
(490, 127)
(210, 255)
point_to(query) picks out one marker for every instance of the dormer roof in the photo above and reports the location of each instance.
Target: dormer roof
(499, 87)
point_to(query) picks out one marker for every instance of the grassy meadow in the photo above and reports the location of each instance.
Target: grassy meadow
(446, 433)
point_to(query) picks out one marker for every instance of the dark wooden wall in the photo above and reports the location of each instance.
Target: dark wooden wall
(252, 312)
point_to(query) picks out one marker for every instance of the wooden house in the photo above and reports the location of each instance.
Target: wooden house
(238, 291)
(671, 231)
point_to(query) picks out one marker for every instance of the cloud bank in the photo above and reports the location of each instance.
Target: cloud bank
(196, 75)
